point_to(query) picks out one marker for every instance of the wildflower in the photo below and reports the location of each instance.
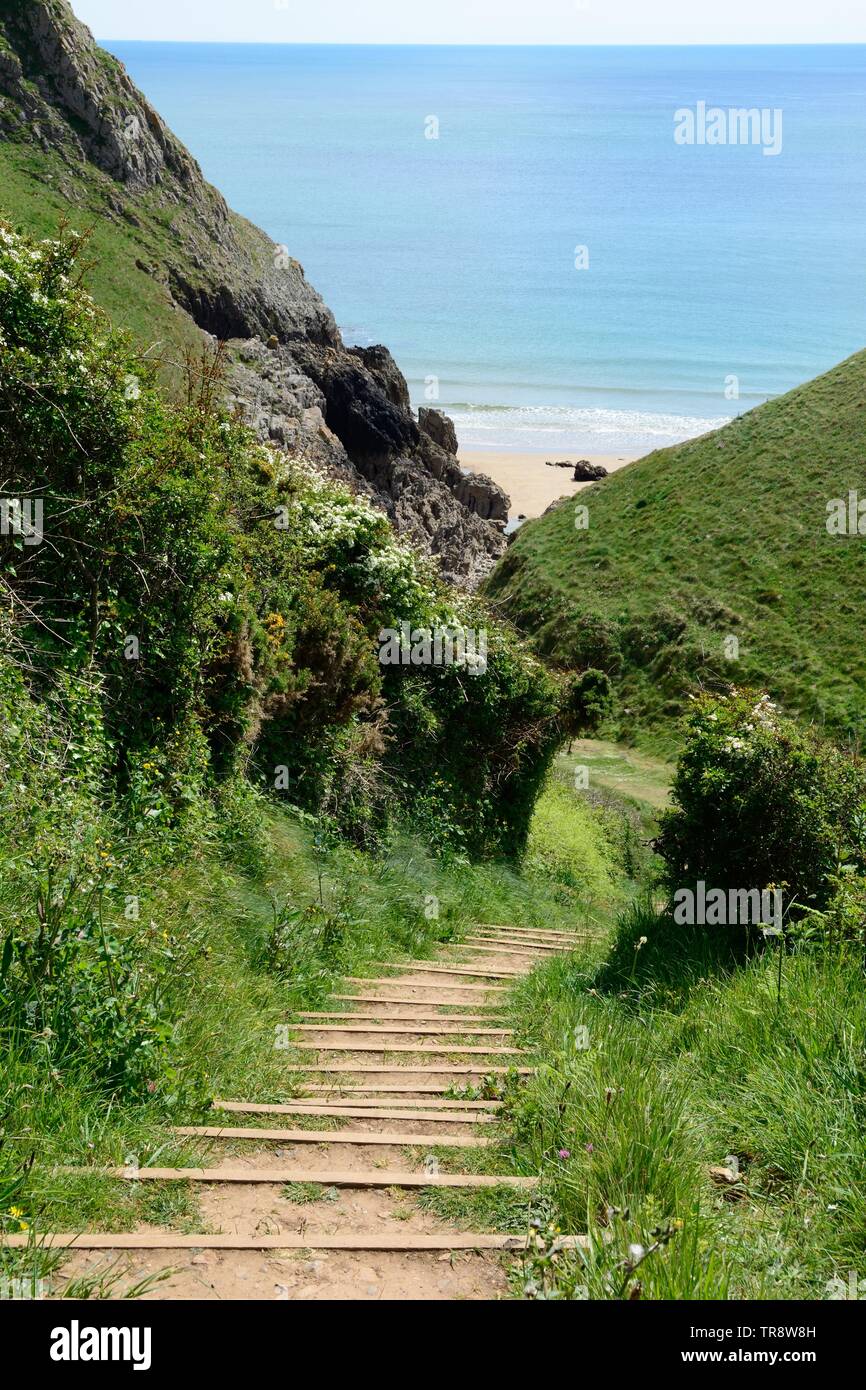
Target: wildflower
(17, 1213)
(565, 1153)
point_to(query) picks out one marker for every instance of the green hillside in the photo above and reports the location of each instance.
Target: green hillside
(722, 537)
(126, 254)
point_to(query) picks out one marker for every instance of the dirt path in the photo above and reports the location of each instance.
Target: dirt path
(341, 1191)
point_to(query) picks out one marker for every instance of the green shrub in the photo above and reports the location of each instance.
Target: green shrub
(759, 802)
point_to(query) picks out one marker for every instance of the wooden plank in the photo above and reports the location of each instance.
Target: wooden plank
(424, 1088)
(374, 1240)
(423, 1029)
(404, 1069)
(380, 1111)
(491, 1010)
(328, 1177)
(422, 984)
(527, 953)
(522, 943)
(422, 1049)
(333, 1136)
(405, 1018)
(428, 967)
(305, 1105)
(541, 943)
(533, 931)
(539, 950)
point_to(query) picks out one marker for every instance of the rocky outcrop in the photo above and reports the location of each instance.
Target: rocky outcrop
(382, 367)
(337, 408)
(439, 428)
(586, 472)
(286, 408)
(484, 497)
(347, 409)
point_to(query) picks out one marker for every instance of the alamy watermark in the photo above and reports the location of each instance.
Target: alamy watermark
(732, 125)
(738, 907)
(22, 516)
(77, 1343)
(437, 646)
(846, 516)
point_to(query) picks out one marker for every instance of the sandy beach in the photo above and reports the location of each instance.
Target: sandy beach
(529, 483)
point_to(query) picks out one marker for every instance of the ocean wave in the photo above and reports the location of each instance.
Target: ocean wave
(570, 428)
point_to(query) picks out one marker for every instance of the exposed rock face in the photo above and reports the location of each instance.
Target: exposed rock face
(345, 408)
(382, 367)
(286, 408)
(440, 429)
(327, 405)
(484, 497)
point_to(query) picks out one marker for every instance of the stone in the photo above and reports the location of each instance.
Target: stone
(439, 427)
(586, 472)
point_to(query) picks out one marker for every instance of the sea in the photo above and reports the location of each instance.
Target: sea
(547, 258)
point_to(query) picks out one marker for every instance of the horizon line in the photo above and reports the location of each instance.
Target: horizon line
(350, 43)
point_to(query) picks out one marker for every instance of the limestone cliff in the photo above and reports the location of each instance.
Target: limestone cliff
(63, 96)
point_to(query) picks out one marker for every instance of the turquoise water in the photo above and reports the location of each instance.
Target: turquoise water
(705, 262)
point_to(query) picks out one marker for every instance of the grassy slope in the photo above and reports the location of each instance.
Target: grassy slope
(725, 534)
(688, 1065)
(32, 201)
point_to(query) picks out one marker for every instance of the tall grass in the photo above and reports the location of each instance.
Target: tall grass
(717, 1071)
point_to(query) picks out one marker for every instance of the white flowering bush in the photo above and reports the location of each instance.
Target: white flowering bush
(337, 530)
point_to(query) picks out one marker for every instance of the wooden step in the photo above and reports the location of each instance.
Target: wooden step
(346, 1110)
(374, 1240)
(555, 938)
(411, 967)
(328, 1177)
(422, 984)
(531, 938)
(421, 1087)
(399, 1029)
(409, 1018)
(523, 944)
(404, 1069)
(334, 1136)
(532, 931)
(524, 954)
(520, 943)
(422, 1049)
(492, 1009)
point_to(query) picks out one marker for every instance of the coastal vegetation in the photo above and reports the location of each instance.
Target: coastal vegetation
(713, 563)
(217, 801)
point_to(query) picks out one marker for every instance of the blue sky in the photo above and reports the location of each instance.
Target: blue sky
(479, 21)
